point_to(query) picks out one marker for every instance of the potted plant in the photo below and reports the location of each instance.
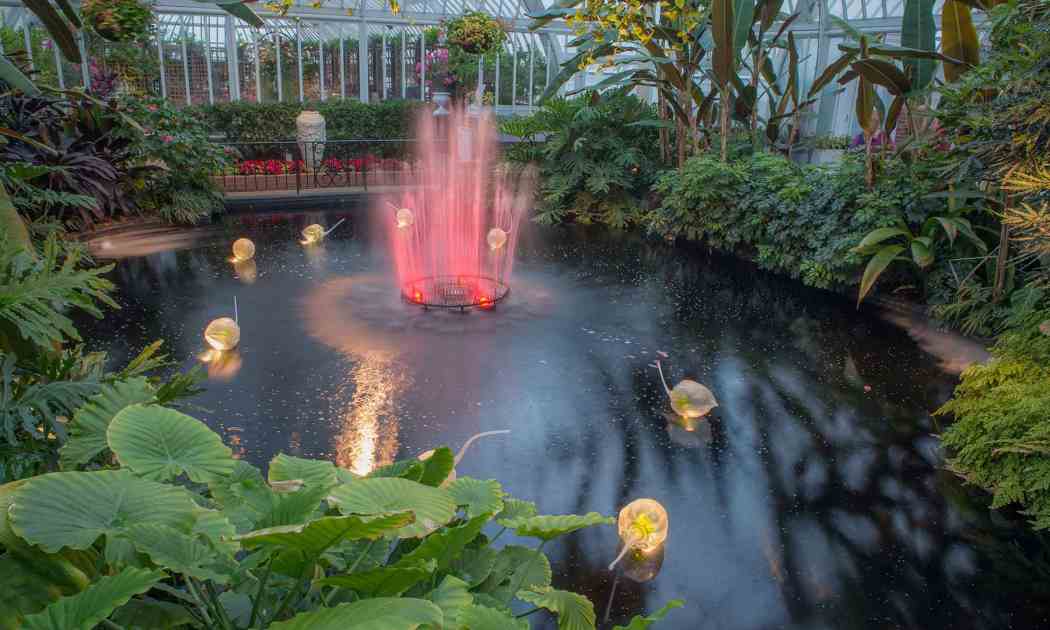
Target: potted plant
(476, 33)
(118, 20)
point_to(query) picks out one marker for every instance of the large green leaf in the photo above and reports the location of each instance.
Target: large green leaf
(160, 444)
(433, 507)
(515, 509)
(87, 429)
(743, 19)
(152, 614)
(479, 497)
(475, 564)
(879, 235)
(446, 544)
(381, 613)
(318, 535)
(515, 568)
(723, 31)
(312, 472)
(641, 622)
(921, 253)
(883, 73)
(384, 581)
(549, 527)
(958, 39)
(72, 509)
(88, 608)
(238, 9)
(176, 551)
(876, 266)
(830, 72)
(484, 618)
(453, 597)
(13, 76)
(31, 579)
(437, 466)
(575, 612)
(919, 31)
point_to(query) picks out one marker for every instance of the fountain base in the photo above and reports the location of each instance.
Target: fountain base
(460, 292)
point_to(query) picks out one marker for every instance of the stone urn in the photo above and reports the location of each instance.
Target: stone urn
(441, 99)
(310, 133)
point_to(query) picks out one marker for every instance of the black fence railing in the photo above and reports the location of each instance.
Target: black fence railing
(299, 166)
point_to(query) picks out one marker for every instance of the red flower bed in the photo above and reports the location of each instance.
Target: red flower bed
(332, 165)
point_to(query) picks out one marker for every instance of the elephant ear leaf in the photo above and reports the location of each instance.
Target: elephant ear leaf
(88, 608)
(161, 444)
(393, 613)
(550, 527)
(640, 622)
(484, 618)
(479, 497)
(575, 612)
(87, 429)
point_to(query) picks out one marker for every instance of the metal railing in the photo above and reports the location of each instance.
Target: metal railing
(300, 166)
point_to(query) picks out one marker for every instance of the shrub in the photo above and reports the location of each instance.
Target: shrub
(176, 140)
(597, 162)
(1000, 439)
(184, 532)
(344, 120)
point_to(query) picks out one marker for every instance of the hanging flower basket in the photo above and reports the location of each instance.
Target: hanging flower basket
(118, 20)
(476, 33)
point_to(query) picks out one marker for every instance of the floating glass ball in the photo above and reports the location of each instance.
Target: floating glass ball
(496, 238)
(312, 234)
(404, 218)
(692, 400)
(643, 525)
(243, 249)
(223, 334)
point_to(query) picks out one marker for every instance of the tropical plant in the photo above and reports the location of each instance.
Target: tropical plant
(45, 372)
(183, 534)
(475, 33)
(898, 243)
(80, 152)
(598, 159)
(118, 20)
(177, 142)
(871, 62)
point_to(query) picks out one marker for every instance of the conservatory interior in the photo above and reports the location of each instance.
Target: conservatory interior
(495, 314)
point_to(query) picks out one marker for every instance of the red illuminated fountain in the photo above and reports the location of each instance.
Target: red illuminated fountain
(453, 234)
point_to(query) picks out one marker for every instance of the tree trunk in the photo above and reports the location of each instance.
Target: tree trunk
(1002, 259)
(665, 143)
(724, 111)
(869, 161)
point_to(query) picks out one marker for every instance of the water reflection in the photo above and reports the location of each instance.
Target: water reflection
(222, 365)
(246, 271)
(368, 438)
(811, 498)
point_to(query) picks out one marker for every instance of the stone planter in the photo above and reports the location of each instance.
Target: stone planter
(441, 99)
(311, 135)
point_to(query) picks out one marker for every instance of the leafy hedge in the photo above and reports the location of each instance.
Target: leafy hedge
(345, 120)
(803, 221)
(1001, 436)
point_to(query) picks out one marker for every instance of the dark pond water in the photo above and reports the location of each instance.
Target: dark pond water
(812, 498)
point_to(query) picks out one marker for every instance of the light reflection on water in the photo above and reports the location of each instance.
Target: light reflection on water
(811, 498)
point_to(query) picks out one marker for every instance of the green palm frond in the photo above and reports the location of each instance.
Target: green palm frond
(36, 293)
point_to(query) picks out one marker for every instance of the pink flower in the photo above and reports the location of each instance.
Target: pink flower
(151, 107)
(168, 139)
